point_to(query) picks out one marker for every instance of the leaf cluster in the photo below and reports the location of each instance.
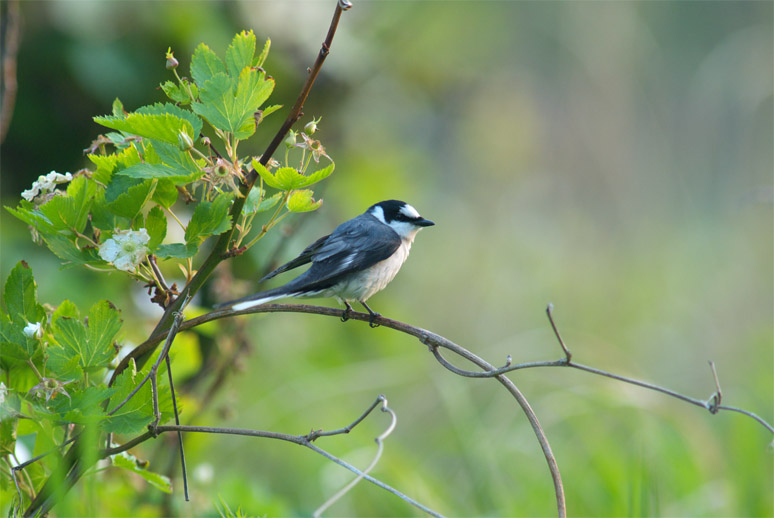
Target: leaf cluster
(172, 163)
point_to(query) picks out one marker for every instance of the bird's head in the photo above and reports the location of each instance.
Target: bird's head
(400, 216)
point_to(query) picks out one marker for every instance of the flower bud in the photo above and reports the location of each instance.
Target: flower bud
(171, 61)
(311, 127)
(185, 141)
(290, 141)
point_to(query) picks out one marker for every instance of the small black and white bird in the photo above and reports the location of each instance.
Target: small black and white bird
(352, 263)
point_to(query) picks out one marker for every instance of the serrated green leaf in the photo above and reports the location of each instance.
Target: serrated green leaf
(8, 436)
(130, 194)
(254, 203)
(92, 345)
(20, 296)
(71, 211)
(15, 346)
(176, 251)
(319, 175)
(232, 109)
(159, 126)
(153, 171)
(165, 193)
(65, 309)
(28, 213)
(302, 201)
(137, 413)
(267, 177)
(288, 178)
(177, 111)
(174, 92)
(118, 108)
(209, 218)
(271, 109)
(240, 53)
(205, 64)
(156, 225)
(128, 461)
(83, 406)
(65, 248)
(264, 53)
(253, 89)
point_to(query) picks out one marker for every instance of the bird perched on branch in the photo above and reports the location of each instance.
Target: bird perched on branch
(352, 263)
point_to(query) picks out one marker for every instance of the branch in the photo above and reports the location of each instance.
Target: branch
(301, 440)
(217, 253)
(424, 336)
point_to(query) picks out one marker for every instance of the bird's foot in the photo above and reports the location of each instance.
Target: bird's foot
(345, 314)
(371, 319)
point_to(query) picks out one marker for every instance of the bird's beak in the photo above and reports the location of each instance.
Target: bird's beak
(424, 223)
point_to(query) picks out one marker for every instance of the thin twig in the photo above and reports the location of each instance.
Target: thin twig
(179, 434)
(380, 448)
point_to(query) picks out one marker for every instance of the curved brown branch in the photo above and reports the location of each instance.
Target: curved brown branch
(301, 440)
(426, 337)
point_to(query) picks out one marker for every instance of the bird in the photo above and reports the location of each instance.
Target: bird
(358, 259)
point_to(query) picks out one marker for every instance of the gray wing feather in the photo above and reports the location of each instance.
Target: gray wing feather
(304, 257)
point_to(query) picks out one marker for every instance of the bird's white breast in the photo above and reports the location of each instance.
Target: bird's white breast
(361, 285)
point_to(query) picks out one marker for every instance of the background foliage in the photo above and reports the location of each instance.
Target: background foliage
(614, 159)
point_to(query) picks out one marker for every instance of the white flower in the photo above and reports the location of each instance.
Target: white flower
(46, 184)
(126, 249)
(33, 329)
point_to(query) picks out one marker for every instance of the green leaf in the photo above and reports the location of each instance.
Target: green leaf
(156, 225)
(149, 171)
(28, 213)
(319, 175)
(267, 177)
(240, 53)
(8, 436)
(230, 109)
(177, 111)
(15, 346)
(65, 248)
(20, 298)
(128, 461)
(92, 345)
(264, 53)
(137, 413)
(83, 406)
(67, 310)
(253, 89)
(209, 218)
(254, 203)
(159, 126)
(302, 201)
(177, 251)
(288, 178)
(71, 212)
(118, 108)
(205, 64)
(128, 195)
(270, 109)
(165, 193)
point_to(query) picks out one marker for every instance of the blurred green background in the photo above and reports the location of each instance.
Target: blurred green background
(612, 158)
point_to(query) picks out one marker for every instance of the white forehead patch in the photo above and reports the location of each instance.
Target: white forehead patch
(409, 211)
(378, 213)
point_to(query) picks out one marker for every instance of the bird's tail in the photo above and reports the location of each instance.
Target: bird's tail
(258, 298)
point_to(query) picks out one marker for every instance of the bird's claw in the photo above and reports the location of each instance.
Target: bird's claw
(371, 322)
(345, 315)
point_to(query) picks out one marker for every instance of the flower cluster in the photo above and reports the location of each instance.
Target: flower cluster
(126, 249)
(46, 184)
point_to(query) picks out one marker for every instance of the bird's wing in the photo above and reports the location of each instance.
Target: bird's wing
(304, 257)
(354, 245)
